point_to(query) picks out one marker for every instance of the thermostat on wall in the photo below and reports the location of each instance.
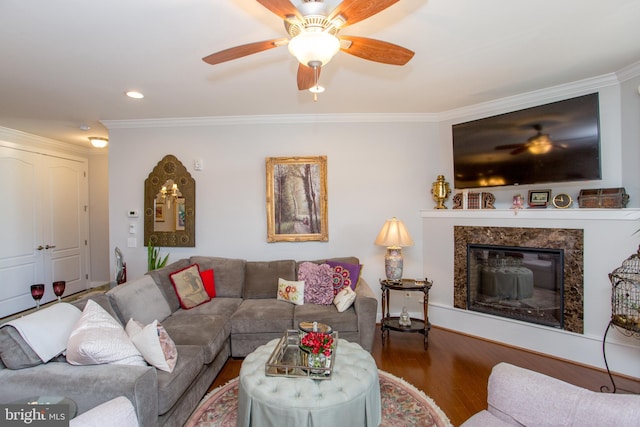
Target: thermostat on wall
(133, 213)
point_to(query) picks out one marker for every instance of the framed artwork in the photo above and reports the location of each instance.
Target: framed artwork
(297, 199)
(159, 212)
(180, 214)
(539, 198)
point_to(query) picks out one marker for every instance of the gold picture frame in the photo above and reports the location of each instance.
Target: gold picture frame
(297, 199)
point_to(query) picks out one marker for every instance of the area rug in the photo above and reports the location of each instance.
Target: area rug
(403, 405)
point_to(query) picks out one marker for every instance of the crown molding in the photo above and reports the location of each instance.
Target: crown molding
(511, 103)
(273, 119)
(536, 97)
(629, 72)
(22, 140)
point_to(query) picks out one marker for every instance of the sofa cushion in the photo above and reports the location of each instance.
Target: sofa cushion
(327, 314)
(171, 386)
(154, 343)
(291, 291)
(262, 315)
(162, 279)
(318, 283)
(189, 287)
(207, 331)
(229, 274)
(140, 299)
(261, 277)
(102, 299)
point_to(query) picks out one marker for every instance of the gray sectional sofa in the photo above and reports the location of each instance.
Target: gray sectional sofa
(244, 315)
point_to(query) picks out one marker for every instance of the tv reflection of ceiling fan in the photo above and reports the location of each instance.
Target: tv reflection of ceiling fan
(540, 143)
(313, 37)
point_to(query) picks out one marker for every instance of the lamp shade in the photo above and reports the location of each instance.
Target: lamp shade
(394, 234)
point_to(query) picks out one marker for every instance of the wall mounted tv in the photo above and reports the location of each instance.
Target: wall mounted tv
(551, 143)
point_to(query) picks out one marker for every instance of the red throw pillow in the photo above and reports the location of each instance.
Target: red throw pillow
(209, 282)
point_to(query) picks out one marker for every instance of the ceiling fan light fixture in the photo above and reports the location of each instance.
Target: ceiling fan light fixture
(98, 142)
(314, 45)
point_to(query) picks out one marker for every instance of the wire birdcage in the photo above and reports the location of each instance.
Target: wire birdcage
(625, 294)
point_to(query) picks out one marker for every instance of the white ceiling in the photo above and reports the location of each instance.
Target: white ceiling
(66, 63)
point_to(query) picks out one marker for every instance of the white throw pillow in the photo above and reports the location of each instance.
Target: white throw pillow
(291, 291)
(154, 343)
(344, 299)
(98, 338)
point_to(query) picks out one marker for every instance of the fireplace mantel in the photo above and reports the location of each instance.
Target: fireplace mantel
(536, 214)
(610, 236)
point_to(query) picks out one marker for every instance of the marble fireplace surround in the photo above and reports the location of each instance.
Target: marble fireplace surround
(571, 241)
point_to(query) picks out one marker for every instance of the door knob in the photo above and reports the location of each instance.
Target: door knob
(40, 248)
(49, 247)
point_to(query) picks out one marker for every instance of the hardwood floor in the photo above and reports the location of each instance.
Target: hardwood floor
(455, 368)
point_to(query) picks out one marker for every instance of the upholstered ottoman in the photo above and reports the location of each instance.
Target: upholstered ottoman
(350, 397)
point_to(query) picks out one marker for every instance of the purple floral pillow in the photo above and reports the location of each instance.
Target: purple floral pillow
(344, 274)
(318, 287)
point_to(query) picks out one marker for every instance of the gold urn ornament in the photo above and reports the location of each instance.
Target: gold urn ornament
(440, 191)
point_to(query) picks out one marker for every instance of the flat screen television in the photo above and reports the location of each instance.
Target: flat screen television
(551, 143)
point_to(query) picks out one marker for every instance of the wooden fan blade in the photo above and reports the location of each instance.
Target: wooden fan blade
(282, 8)
(244, 50)
(356, 10)
(306, 78)
(376, 50)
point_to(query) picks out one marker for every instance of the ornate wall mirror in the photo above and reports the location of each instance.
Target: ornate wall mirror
(170, 205)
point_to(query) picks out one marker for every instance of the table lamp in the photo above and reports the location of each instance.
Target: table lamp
(394, 236)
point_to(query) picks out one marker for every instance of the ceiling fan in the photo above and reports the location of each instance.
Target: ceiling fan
(540, 143)
(314, 39)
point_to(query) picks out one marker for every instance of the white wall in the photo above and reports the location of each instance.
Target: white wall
(375, 171)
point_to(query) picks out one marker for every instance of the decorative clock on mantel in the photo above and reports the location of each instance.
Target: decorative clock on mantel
(562, 200)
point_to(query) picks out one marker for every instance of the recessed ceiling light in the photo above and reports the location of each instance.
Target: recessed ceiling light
(98, 141)
(135, 95)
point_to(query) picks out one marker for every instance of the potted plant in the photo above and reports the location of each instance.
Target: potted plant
(154, 261)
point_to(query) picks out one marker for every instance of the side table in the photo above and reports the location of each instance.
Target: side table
(388, 322)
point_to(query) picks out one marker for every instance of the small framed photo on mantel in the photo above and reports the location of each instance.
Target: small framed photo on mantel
(539, 198)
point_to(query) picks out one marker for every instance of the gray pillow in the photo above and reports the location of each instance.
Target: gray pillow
(139, 299)
(14, 350)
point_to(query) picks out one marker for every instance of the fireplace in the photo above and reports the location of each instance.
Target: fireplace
(518, 283)
(542, 280)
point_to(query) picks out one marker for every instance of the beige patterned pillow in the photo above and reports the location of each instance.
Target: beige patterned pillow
(189, 287)
(154, 343)
(291, 291)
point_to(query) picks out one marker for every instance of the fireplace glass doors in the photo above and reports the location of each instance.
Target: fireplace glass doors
(518, 283)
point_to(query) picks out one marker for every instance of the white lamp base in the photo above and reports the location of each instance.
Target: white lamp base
(393, 263)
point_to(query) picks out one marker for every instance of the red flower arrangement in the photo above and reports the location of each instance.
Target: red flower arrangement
(317, 342)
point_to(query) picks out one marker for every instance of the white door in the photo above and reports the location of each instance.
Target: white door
(44, 226)
(65, 224)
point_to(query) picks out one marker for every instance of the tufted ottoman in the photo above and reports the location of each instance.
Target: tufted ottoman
(350, 398)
